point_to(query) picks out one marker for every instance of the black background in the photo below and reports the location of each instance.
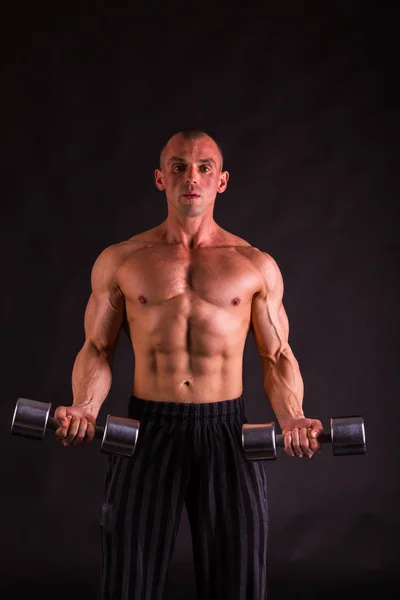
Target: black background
(296, 95)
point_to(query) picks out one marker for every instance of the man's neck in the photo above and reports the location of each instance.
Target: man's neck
(191, 233)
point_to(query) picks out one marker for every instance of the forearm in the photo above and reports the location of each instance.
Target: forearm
(283, 385)
(91, 377)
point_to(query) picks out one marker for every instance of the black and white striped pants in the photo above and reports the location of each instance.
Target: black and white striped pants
(192, 454)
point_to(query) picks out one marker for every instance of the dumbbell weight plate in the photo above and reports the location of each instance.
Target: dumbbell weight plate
(30, 418)
(348, 435)
(120, 436)
(259, 441)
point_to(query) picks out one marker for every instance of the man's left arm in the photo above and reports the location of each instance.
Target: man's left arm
(283, 382)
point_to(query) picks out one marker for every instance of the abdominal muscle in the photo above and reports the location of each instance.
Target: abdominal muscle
(211, 379)
(174, 374)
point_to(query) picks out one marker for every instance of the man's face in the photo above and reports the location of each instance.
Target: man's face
(191, 174)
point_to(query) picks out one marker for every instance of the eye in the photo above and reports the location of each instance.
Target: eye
(205, 168)
(179, 168)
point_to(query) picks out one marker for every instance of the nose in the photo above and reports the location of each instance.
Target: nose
(191, 174)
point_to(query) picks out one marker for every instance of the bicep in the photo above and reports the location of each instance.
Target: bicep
(105, 310)
(270, 324)
(270, 327)
(103, 320)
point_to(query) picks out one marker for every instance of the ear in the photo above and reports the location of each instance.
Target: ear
(159, 179)
(223, 182)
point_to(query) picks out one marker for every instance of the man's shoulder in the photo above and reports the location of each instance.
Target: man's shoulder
(264, 264)
(119, 251)
(260, 258)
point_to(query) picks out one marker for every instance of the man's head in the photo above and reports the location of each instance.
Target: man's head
(190, 172)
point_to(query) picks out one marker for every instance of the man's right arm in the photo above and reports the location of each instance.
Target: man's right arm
(92, 370)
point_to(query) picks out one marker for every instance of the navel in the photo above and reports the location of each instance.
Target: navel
(142, 300)
(236, 301)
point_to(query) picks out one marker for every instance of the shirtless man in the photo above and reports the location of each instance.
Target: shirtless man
(187, 293)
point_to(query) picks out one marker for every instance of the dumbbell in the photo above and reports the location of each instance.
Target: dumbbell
(347, 436)
(32, 419)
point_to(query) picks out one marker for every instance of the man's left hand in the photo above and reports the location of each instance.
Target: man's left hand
(301, 435)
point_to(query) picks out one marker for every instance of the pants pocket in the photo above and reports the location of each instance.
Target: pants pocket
(107, 516)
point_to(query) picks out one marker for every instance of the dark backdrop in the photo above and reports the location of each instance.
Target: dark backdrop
(296, 97)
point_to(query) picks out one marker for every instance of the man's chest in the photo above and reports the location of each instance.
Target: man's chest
(221, 277)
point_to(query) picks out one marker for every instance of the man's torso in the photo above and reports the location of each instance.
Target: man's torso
(188, 313)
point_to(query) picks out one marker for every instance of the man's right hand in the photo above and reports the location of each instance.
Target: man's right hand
(77, 425)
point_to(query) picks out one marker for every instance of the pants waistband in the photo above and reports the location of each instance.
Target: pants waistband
(151, 409)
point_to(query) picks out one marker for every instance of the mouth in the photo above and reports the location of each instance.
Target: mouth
(191, 196)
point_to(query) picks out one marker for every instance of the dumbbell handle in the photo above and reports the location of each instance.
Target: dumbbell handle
(324, 438)
(53, 424)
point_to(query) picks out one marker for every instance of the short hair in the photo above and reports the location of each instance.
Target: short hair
(191, 134)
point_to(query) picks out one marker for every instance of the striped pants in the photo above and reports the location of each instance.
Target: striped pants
(192, 454)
